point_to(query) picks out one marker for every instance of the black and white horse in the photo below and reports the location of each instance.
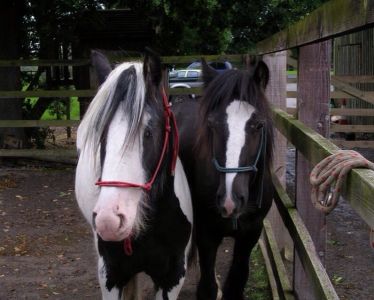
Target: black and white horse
(141, 214)
(226, 149)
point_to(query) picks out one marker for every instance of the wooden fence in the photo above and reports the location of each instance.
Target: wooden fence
(70, 155)
(344, 91)
(294, 225)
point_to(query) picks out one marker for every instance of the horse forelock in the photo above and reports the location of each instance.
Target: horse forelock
(124, 89)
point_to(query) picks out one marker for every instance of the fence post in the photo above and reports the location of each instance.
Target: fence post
(276, 93)
(313, 97)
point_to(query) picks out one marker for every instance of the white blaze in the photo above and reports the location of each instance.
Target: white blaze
(120, 165)
(238, 114)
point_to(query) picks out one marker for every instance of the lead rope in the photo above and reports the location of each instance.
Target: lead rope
(327, 178)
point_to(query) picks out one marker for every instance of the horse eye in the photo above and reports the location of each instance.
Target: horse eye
(257, 126)
(147, 133)
(210, 122)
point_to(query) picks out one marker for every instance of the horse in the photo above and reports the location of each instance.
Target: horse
(130, 184)
(226, 148)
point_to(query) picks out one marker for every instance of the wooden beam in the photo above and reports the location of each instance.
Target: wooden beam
(55, 155)
(359, 186)
(44, 62)
(269, 270)
(233, 58)
(334, 18)
(354, 79)
(354, 144)
(345, 79)
(352, 128)
(185, 91)
(38, 123)
(336, 95)
(313, 95)
(280, 276)
(304, 245)
(47, 94)
(344, 95)
(276, 91)
(363, 112)
(350, 90)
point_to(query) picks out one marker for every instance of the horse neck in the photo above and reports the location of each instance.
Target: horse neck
(163, 186)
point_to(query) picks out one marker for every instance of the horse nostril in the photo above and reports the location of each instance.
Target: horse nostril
(239, 196)
(220, 197)
(93, 220)
(122, 220)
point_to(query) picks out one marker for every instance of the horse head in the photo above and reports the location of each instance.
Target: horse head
(236, 131)
(123, 132)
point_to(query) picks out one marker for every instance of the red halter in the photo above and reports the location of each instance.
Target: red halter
(148, 185)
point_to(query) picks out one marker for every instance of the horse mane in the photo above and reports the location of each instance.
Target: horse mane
(229, 85)
(125, 89)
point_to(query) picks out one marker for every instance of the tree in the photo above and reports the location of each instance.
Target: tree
(216, 26)
(10, 35)
(253, 21)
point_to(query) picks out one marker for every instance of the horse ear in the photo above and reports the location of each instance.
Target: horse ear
(208, 72)
(152, 67)
(101, 64)
(261, 74)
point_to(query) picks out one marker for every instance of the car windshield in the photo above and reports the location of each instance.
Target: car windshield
(181, 74)
(193, 74)
(194, 65)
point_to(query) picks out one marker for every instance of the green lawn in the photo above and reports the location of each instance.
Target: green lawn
(74, 110)
(258, 287)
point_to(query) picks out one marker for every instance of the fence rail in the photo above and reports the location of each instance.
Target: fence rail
(332, 19)
(303, 244)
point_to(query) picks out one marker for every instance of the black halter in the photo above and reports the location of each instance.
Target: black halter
(250, 168)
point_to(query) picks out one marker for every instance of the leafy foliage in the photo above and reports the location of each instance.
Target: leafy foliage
(215, 26)
(181, 27)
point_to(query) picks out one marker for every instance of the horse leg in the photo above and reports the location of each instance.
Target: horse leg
(170, 294)
(208, 287)
(113, 293)
(132, 290)
(170, 283)
(239, 270)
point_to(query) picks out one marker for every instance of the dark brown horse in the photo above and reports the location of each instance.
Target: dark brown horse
(226, 149)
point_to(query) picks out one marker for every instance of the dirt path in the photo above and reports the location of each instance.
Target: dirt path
(46, 247)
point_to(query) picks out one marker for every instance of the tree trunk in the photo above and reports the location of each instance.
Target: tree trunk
(10, 77)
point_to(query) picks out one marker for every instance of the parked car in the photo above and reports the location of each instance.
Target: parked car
(188, 78)
(219, 66)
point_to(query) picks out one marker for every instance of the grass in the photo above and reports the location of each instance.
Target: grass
(74, 110)
(48, 114)
(258, 287)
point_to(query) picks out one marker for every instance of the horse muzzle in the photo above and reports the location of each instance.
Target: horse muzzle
(111, 225)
